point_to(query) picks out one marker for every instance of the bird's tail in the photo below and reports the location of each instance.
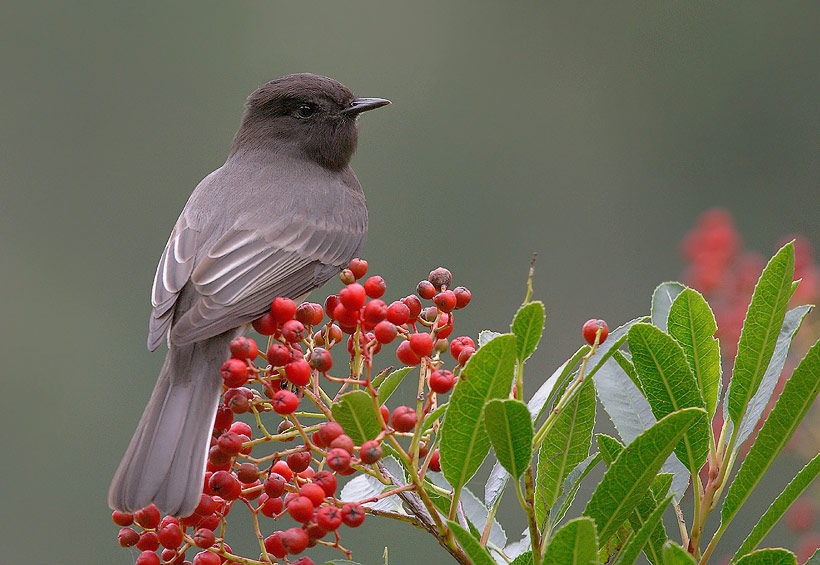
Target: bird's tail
(165, 461)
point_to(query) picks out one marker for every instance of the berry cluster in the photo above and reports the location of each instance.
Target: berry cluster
(298, 484)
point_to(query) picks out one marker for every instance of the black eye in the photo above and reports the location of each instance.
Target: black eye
(305, 110)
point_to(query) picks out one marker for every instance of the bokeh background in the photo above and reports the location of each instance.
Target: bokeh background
(590, 133)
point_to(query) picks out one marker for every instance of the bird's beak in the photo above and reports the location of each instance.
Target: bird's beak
(360, 105)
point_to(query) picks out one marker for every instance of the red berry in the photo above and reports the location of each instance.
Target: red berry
(278, 354)
(310, 313)
(358, 267)
(244, 348)
(206, 558)
(242, 429)
(463, 297)
(338, 459)
(204, 538)
(171, 557)
(169, 521)
(421, 344)
(237, 401)
(352, 296)
(225, 485)
(398, 313)
(321, 360)
(281, 468)
(413, 304)
(128, 537)
(298, 461)
(329, 518)
(247, 473)
(327, 481)
(425, 289)
(147, 558)
(352, 514)
(374, 312)
(315, 493)
(330, 305)
(170, 536)
(370, 452)
(342, 442)
(465, 355)
(590, 330)
(385, 332)
(330, 431)
(294, 540)
(347, 318)
(273, 545)
(460, 343)
(283, 309)
(385, 413)
(224, 417)
(445, 301)
(148, 542)
(230, 443)
(403, 419)
(218, 457)
(301, 509)
(207, 505)
(293, 331)
(298, 372)
(442, 382)
(266, 325)
(147, 517)
(435, 461)
(445, 326)
(303, 561)
(284, 402)
(274, 485)
(122, 518)
(270, 506)
(405, 354)
(375, 286)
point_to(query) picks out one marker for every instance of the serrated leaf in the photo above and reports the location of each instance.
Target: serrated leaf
(522, 546)
(510, 429)
(609, 447)
(523, 559)
(791, 323)
(796, 487)
(565, 445)
(357, 416)
(760, 330)
(624, 361)
(630, 476)
(673, 554)
(797, 396)
(575, 543)
(692, 324)
(464, 441)
(636, 542)
(391, 382)
(662, 299)
(769, 556)
(528, 325)
(570, 488)
(669, 385)
(477, 554)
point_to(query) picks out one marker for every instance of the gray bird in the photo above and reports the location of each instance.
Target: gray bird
(284, 214)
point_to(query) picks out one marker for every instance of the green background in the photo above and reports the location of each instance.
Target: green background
(588, 133)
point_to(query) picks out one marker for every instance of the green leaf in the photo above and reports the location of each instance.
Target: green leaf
(510, 429)
(487, 375)
(760, 330)
(528, 325)
(390, 383)
(565, 445)
(571, 485)
(630, 476)
(692, 324)
(609, 447)
(673, 554)
(803, 479)
(797, 396)
(625, 363)
(574, 544)
(477, 554)
(355, 412)
(523, 559)
(669, 385)
(791, 323)
(769, 556)
(662, 300)
(540, 400)
(432, 416)
(640, 537)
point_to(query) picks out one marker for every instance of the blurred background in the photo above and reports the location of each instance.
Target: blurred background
(591, 134)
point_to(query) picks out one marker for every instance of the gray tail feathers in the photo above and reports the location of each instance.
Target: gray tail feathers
(165, 461)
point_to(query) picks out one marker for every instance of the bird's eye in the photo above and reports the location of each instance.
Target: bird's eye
(305, 110)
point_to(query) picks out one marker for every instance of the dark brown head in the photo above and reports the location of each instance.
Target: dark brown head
(309, 113)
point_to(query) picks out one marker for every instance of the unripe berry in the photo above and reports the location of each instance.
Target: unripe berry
(358, 267)
(347, 276)
(352, 296)
(321, 360)
(590, 330)
(327, 481)
(266, 325)
(370, 452)
(298, 372)
(463, 297)
(442, 382)
(294, 540)
(338, 459)
(435, 461)
(385, 331)
(244, 348)
(405, 354)
(440, 278)
(403, 419)
(283, 309)
(301, 509)
(426, 290)
(421, 344)
(445, 301)
(293, 331)
(375, 286)
(352, 514)
(278, 354)
(284, 402)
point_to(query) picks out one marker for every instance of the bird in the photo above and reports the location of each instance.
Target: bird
(282, 215)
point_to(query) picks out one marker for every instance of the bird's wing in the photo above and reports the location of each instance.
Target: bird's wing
(238, 276)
